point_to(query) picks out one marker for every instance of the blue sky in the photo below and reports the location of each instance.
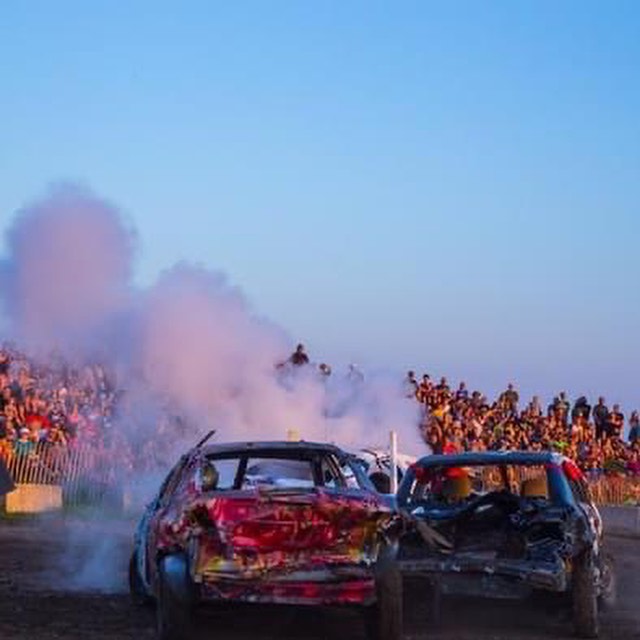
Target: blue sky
(448, 186)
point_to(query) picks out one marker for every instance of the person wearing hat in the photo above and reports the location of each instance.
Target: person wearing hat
(24, 445)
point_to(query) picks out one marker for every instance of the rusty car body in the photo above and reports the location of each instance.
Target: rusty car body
(270, 522)
(504, 525)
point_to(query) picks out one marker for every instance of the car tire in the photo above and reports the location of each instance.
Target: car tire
(421, 605)
(137, 591)
(384, 618)
(434, 605)
(174, 610)
(608, 588)
(585, 597)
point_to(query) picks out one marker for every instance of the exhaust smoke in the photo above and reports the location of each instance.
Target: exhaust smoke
(188, 353)
(191, 341)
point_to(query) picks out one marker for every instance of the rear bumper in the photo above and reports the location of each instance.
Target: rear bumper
(490, 578)
(276, 578)
(307, 592)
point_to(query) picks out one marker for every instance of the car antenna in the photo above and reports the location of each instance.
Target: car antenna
(203, 440)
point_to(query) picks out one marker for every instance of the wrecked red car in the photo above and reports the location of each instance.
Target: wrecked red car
(271, 522)
(504, 525)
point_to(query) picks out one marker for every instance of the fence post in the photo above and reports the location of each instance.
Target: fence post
(393, 451)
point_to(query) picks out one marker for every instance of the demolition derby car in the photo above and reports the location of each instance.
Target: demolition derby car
(504, 524)
(270, 522)
(378, 466)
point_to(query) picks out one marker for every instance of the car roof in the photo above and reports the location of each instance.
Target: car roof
(492, 457)
(266, 445)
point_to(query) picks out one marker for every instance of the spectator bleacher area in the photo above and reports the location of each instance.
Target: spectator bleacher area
(59, 427)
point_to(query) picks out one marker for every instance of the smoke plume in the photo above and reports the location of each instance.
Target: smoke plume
(190, 343)
(67, 271)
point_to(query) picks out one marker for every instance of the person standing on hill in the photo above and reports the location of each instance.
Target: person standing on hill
(509, 399)
(299, 356)
(581, 409)
(634, 428)
(615, 423)
(600, 418)
(410, 385)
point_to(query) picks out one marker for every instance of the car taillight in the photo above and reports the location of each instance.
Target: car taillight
(421, 474)
(572, 471)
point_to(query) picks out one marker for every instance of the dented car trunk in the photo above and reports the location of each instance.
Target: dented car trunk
(284, 536)
(492, 525)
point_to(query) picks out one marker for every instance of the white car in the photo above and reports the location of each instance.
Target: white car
(378, 463)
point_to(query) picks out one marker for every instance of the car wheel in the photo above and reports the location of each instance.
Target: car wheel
(175, 603)
(384, 618)
(434, 605)
(421, 605)
(585, 597)
(608, 588)
(137, 591)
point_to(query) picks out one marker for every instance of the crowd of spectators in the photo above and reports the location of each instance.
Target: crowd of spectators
(456, 420)
(54, 404)
(461, 420)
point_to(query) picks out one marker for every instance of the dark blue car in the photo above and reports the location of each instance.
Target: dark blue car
(504, 524)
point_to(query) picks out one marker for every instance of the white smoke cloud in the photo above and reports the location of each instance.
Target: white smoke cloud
(67, 270)
(190, 346)
(191, 341)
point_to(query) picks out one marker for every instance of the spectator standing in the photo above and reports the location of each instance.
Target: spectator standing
(509, 399)
(5, 362)
(600, 417)
(355, 375)
(634, 428)
(325, 370)
(423, 394)
(562, 409)
(410, 385)
(443, 392)
(534, 409)
(581, 409)
(633, 466)
(615, 423)
(299, 357)
(462, 393)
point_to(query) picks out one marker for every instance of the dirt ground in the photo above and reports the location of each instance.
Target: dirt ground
(66, 579)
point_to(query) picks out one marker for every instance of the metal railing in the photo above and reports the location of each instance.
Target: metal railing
(616, 490)
(88, 473)
(85, 473)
